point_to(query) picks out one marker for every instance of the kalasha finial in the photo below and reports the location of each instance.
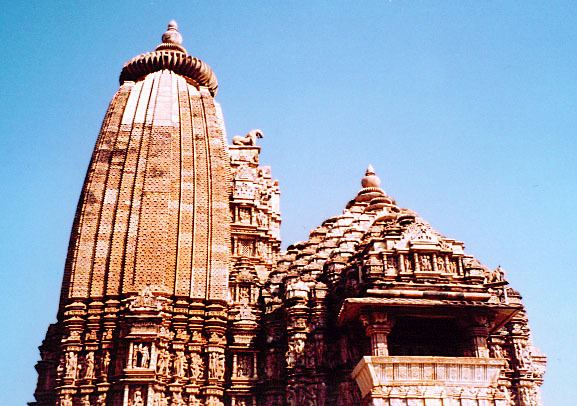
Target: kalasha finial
(172, 36)
(370, 179)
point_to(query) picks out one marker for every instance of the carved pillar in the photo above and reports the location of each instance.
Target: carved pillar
(378, 326)
(479, 332)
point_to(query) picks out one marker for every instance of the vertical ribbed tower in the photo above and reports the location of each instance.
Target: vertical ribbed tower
(143, 302)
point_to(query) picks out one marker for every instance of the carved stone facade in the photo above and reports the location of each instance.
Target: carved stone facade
(176, 291)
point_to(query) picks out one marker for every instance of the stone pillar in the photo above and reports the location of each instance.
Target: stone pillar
(378, 326)
(479, 333)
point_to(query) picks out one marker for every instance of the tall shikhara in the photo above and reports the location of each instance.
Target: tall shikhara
(175, 291)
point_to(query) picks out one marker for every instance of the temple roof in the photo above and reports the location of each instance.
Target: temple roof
(171, 55)
(374, 232)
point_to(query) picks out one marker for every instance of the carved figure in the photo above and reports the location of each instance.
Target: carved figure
(214, 401)
(85, 401)
(163, 362)
(425, 263)
(244, 367)
(177, 399)
(160, 399)
(440, 264)
(196, 366)
(180, 365)
(137, 399)
(249, 139)
(71, 364)
(496, 275)
(216, 365)
(105, 365)
(101, 400)
(89, 361)
(193, 401)
(60, 369)
(141, 356)
(66, 400)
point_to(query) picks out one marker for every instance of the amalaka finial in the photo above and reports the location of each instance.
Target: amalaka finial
(171, 35)
(370, 179)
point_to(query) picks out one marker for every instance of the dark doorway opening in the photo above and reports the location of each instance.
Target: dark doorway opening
(415, 336)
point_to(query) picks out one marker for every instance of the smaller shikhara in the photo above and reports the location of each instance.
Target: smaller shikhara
(176, 292)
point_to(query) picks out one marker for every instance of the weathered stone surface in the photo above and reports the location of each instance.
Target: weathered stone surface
(176, 292)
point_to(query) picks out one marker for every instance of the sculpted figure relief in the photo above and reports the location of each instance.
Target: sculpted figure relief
(105, 365)
(137, 399)
(141, 356)
(193, 401)
(249, 139)
(216, 365)
(177, 399)
(196, 366)
(101, 400)
(180, 365)
(89, 361)
(163, 362)
(160, 400)
(425, 263)
(66, 400)
(71, 364)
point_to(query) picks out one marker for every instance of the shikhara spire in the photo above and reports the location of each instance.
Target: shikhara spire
(175, 291)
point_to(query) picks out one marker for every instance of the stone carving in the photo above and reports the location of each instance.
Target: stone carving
(146, 300)
(89, 365)
(245, 366)
(105, 365)
(440, 264)
(425, 263)
(295, 348)
(160, 400)
(216, 365)
(214, 401)
(496, 276)
(101, 399)
(177, 399)
(163, 363)
(249, 139)
(71, 364)
(180, 365)
(245, 313)
(137, 399)
(141, 356)
(244, 190)
(193, 401)
(196, 366)
(66, 400)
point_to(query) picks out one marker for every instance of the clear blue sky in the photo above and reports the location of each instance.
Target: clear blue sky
(467, 110)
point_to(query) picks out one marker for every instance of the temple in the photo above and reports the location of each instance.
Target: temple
(176, 290)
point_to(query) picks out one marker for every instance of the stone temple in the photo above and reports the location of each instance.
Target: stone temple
(176, 290)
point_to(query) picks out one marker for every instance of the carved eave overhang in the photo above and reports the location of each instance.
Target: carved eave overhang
(466, 303)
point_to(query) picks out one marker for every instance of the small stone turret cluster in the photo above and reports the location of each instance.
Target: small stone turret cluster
(176, 291)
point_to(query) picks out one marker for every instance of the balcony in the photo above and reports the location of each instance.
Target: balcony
(432, 380)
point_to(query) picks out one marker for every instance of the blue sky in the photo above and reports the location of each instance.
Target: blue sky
(467, 110)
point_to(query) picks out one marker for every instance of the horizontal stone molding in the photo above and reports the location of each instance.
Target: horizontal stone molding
(374, 373)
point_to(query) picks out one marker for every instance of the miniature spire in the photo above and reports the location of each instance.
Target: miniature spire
(172, 35)
(370, 179)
